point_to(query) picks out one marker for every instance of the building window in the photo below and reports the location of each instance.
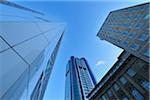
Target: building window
(80, 67)
(143, 37)
(125, 43)
(146, 53)
(123, 80)
(131, 35)
(139, 25)
(125, 98)
(136, 94)
(84, 68)
(116, 87)
(131, 72)
(134, 46)
(103, 97)
(147, 16)
(109, 93)
(125, 33)
(145, 84)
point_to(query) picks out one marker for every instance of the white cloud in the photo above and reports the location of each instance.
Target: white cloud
(100, 62)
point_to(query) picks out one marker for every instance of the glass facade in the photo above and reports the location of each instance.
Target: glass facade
(67, 84)
(26, 45)
(80, 79)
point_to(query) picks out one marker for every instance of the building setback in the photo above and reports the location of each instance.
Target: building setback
(128, 29)
(79, 79)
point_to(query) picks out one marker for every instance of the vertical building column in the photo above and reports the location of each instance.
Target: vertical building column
(106, 95)
(70, 69)
(134, 84)
(127, 94)
(114, 93)
(80, 84)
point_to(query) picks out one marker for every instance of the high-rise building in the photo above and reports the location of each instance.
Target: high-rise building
(41, 85)
(128, 28)
(28, 47)
(79, 79)
(128, 79)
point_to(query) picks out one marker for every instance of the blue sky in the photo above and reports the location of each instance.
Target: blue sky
(84, 19)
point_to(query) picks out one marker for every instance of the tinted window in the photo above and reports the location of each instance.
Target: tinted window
(145, 84)
(131, 72)
(109, 93)
(136, 94)
(146, 53)
(123, 80)
(134, 46)
(103, 97)
(116, 87)
(143, 37)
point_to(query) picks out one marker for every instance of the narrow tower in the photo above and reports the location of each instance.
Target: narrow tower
(79, 79)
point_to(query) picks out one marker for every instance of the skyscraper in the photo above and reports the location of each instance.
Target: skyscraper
(79, 79)
(41, 85)
(28, 47)
(128, 28)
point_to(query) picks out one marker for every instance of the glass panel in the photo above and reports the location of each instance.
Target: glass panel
(103, 97)
(146, 53)
(109, 93)
(131, 35)
(123, 80)
(136, 94)
(116, 87)
(134, 46)
(125, 32)
(143, 37)
(131, 72)
(125, 98)
(125, 43)
(145, 84)
(3, 45)
(147, 16)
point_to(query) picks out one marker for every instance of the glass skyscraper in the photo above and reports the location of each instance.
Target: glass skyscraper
(128, 28)
(28, 47)
(79, 79)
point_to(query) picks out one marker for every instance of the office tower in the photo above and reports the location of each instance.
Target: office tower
(28, 47)
(128, 28)
(41, 85)
(128, 79)
(79, 79)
